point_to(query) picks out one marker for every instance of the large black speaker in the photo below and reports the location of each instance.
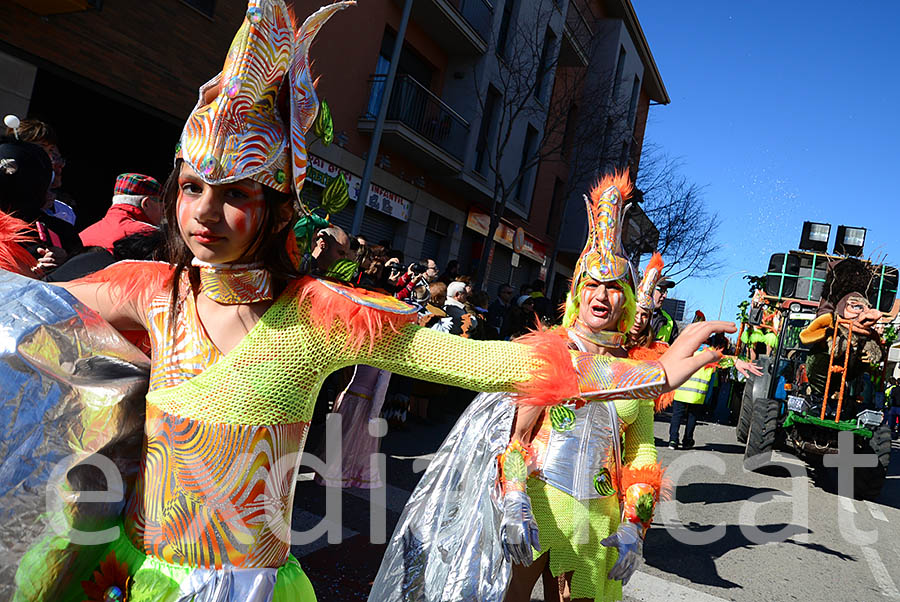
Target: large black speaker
(884, 288)
(811, 279)
(781, 277)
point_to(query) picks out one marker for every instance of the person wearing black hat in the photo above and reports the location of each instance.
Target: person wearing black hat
(661, 322)
(25, 176)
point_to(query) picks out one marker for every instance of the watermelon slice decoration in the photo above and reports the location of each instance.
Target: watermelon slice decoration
(336, 195)
(603, 483)
(323, 127)
(562, 418)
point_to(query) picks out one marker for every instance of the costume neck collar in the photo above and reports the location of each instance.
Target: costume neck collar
(233, 284)
(605, 338)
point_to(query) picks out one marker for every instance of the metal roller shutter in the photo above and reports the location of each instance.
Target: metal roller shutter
(377, 226)
(501, 268)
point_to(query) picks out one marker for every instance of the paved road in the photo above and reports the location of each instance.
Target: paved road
(727, 534)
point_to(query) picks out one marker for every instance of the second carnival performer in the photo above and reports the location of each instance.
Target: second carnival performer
(516, 488)
(240, 345)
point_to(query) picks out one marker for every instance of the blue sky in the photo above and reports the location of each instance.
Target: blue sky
(786, 112)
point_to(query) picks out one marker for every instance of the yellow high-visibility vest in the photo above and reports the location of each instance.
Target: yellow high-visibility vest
(694, 390)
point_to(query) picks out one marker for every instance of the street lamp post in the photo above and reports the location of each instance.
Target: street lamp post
(722, 302)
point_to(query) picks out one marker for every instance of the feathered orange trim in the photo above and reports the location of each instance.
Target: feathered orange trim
(365, 325)
(650, 474)
(663, 402)
(129, 280)
(13, 257)
(652, 354)
(555, 379)
(619, 179)
(656, 261)
(648, 354)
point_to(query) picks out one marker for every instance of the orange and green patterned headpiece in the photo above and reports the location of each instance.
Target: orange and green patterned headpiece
(237, 130)
(603, 258)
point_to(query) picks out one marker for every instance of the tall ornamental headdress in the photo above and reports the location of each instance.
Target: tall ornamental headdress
(603, 258)
(237, 130)
(652, 274)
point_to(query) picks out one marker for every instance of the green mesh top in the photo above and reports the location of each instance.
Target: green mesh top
(279, 367)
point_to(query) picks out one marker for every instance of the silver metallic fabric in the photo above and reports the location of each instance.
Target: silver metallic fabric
(446, 546)
(574, 457)
(71, 390)
(228, 585)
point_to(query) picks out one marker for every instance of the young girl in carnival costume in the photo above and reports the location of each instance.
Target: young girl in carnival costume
(517, 487)
(240, 345)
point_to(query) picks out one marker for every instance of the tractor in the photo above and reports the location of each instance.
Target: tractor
(809, 393)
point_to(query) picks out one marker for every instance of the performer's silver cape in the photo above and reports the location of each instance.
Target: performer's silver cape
(71, 394)
(446, 548)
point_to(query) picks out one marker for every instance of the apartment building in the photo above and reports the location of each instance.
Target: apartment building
(118, 78)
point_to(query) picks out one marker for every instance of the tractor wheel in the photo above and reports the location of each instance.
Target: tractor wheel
(867, 482)
(761, 435)
(743, 424)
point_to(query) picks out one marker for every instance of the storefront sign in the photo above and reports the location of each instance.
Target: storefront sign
(320, 172)
(506, 236)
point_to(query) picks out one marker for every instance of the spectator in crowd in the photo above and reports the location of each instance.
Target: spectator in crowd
(455, 306)
(416, 275)
(525, 289)
(451, 272)
(661, 322)
(691, 396)
(521, 319)
(43, 134)
(478, 303)
(136, 207)
(393, 271)
(330, 245)
(431, 270)
(542, 305)
(499, 308)
(25, 175)
(894, 411)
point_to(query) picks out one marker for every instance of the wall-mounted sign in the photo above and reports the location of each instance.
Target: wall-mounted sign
(320, 172)
(506, 236)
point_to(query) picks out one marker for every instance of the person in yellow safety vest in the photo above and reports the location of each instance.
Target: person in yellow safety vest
(660, 321)
(689, 398)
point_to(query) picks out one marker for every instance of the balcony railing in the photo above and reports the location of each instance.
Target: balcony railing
(579, 26)
(416, 107)
(479, 14)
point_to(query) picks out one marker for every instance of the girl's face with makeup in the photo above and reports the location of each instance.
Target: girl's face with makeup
(218, 222)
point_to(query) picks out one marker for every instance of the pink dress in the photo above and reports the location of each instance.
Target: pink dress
(359, 406)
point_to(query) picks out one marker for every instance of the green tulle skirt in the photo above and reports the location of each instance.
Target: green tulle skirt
(571, 531)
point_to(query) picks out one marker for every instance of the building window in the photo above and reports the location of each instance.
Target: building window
(491, 104)
(632, 107)
(207, 7)
(544, 65)
(618, 76)
(556, 214)
(505, 23)
(528, 150)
